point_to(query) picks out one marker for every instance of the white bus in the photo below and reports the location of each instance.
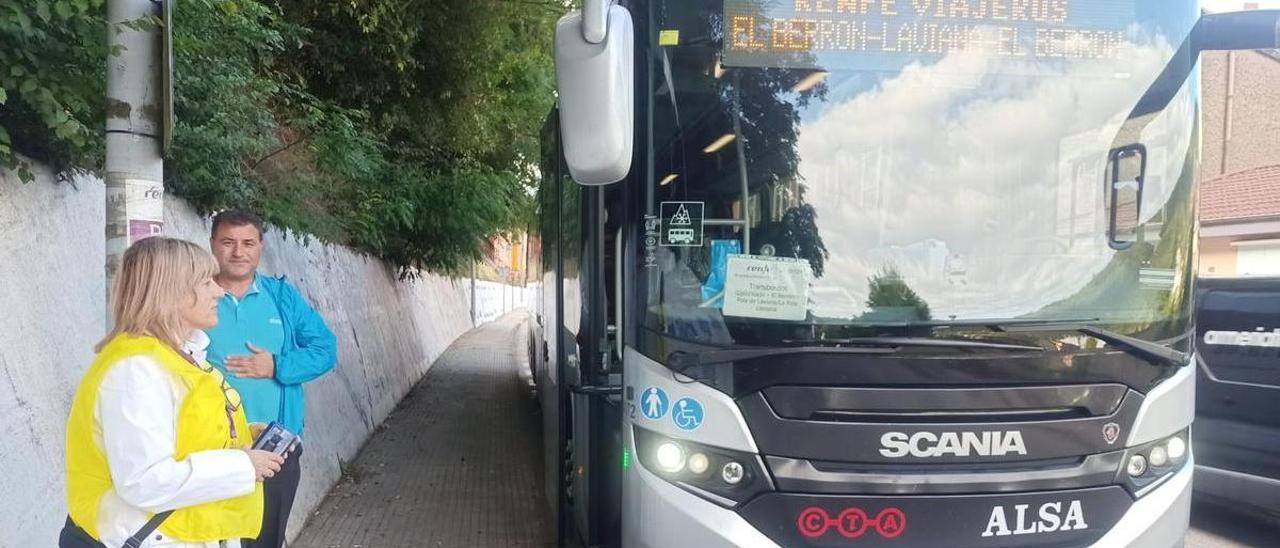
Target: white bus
(822, 272)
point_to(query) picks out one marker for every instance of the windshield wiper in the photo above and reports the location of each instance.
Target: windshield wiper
(926, 342)
(996, 324)
(1147, 350)
(681, 360)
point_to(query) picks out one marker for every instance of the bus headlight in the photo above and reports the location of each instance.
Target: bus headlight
(722, 476)
(1159, 456)
(1137, 465)
(732, 473)
(1148, 464)
(1177, 447)
(699, 463)
(670, 457)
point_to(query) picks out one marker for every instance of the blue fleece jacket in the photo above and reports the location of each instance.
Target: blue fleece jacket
(310, 349)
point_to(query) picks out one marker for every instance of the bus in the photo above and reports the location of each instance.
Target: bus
(822, 272)
(1237, 434)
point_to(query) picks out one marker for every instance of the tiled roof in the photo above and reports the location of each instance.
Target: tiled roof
(1243, 195)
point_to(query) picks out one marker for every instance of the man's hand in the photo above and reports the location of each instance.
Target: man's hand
(261, 365)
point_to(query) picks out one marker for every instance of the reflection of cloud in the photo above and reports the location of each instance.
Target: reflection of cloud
(975, 170)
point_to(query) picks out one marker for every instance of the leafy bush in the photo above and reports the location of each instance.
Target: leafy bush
(403, 129)
(52, 83)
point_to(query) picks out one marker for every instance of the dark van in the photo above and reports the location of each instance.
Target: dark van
(1237, 428)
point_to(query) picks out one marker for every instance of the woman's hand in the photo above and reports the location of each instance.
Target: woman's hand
(265, 463)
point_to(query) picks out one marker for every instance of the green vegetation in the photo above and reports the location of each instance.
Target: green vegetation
(409, 130)
(891, 299)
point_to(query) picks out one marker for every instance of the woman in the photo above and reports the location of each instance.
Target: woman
(153, 427)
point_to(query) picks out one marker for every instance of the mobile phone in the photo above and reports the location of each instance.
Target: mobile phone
(276, 439)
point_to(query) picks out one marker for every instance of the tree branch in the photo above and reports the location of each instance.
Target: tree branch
(275, 152)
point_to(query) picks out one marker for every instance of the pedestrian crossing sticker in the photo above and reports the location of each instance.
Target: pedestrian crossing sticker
(653, 403)
(681, 224)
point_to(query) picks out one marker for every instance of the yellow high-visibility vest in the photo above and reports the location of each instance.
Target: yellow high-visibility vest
(201, 425)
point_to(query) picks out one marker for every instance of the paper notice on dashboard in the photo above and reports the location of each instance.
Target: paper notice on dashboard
(772, 288)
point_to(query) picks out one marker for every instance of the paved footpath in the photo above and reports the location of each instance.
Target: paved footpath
(456, 465)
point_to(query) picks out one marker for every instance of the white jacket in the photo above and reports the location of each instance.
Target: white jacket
(136, 425)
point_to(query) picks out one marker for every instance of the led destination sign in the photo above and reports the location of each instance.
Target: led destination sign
(799, 33)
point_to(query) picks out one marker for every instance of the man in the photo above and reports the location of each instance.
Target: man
(269, 341)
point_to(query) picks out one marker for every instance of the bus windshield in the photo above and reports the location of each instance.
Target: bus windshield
(822, 165)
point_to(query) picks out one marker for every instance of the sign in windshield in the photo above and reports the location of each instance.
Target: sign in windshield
(884, 34)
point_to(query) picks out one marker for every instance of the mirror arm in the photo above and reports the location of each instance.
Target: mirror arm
(595, 20)
(1238, 30)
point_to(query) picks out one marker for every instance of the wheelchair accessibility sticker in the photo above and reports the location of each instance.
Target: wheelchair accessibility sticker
(687, 414)
(653, 403)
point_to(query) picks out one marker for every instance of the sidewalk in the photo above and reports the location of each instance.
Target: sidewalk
(458, 464)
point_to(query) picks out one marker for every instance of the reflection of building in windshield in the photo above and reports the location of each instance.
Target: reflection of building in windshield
(831, 302)
(925, 260)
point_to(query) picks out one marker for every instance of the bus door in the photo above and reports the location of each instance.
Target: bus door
(594, 377)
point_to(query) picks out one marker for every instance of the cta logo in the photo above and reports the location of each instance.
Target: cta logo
(957, 444)
(1051, 519)
(851, 522)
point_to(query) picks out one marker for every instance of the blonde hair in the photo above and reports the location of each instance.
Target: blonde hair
(157, 276)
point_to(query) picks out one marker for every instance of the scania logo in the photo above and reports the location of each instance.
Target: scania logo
(956, 444)
(1048, 519)
(851, 522)
(1110, 432)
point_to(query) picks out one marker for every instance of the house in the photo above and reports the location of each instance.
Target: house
(1240, 164)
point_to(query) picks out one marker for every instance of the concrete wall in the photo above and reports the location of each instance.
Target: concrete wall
(1255, 97)
(493, 299)
(1217, 257)
(53, 299)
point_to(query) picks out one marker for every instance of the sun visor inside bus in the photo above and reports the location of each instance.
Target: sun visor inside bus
(596, 97)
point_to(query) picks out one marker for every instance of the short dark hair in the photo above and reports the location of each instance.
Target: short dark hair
(236, 217)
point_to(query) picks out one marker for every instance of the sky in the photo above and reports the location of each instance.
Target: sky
(989, 172)
(969, 185)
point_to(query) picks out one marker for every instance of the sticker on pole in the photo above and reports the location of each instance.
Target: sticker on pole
(681, 224)
(653, 403)
(772, 288)
(143, 207)
(687, 414)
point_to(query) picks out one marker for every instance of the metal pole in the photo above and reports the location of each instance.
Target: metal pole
(742, 163)
(473, 293)
(134, 164)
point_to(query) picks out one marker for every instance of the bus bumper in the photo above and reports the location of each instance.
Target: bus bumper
(657, 514)
(661, 515)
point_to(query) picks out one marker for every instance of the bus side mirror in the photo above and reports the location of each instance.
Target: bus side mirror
(1238, 30)
(596, 93)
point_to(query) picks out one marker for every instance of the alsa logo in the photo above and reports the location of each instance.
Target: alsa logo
(956, 444)
(1050, 516)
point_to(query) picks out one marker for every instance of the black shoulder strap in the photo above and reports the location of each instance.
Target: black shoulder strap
(152, 524)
